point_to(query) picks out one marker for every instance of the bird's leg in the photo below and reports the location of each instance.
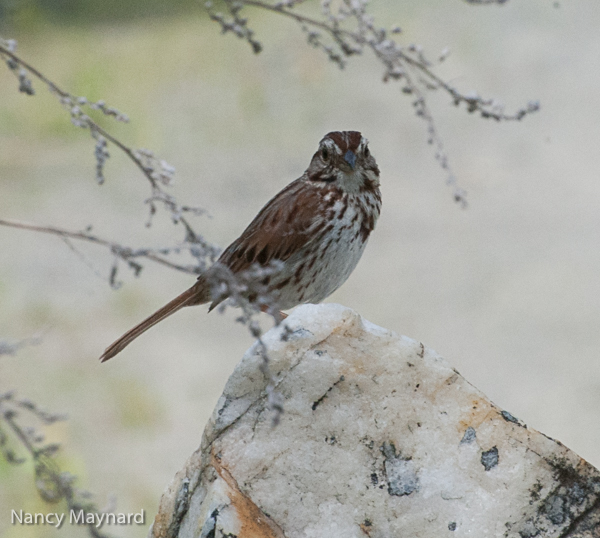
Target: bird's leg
(279, 316)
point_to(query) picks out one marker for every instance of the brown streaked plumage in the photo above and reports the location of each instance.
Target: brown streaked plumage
(317, 227)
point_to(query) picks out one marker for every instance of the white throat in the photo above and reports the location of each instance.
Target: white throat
(352, 182)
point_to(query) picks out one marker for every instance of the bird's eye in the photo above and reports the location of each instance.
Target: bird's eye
(367, 152)
(325, 154)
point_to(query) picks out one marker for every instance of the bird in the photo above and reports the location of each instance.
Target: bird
(314, 231)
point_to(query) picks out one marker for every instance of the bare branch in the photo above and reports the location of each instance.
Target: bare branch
(249, 292)
(158, 172)
(53, 485)
(126, 254)
(405, 64)
(11, 348)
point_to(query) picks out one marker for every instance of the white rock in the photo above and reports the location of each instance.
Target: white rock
(380, 437)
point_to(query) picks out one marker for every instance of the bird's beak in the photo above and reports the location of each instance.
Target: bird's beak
(350, 158)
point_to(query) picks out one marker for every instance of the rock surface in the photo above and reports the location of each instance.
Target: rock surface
(380, 438)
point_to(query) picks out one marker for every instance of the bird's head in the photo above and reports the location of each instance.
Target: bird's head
(344, 159)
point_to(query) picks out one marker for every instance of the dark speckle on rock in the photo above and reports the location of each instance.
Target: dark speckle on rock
(469, 435)
(490, 458)
(208, 529)
(577, 494)
(573, 499)
(401, 473)
(510, 418)
(529, 530)
(556, 509)
(318, 402)
(535, 491)
(288, 334)
(452, 526)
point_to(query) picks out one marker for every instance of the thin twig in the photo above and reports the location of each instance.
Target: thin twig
(406, 64)
(125, 253)
(155, 170)
(52, 484)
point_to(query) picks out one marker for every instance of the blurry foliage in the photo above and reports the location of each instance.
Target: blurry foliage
(28, 14)
(23, 442)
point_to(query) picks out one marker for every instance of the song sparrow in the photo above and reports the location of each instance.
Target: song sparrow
(316, 227)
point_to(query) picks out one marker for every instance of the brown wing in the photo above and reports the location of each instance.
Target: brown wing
(284, 225)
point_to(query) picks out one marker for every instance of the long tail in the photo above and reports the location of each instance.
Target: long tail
(197, 294)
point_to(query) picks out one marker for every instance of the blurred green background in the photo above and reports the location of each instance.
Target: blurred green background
(24, 14)
(507, 290)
